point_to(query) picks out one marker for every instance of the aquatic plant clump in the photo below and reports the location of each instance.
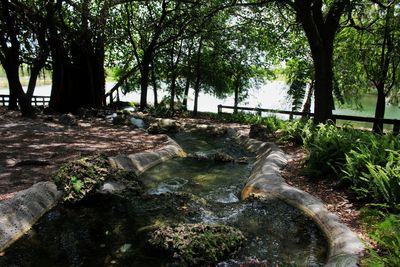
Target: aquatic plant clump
(80, 177)
(195, 244)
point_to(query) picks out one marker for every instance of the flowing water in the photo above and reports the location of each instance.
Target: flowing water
(109, 230)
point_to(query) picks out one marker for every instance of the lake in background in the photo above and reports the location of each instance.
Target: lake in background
(271, 95)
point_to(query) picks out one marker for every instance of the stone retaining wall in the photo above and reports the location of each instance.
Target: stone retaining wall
(18, 214)
(265, 180)
(141, 162)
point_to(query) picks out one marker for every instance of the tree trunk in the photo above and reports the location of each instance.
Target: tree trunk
(79, 80)
(236, 103)
(198, 78)
(380, 109)
(11, 69)
(13, 101)
(154, 82)
(10, 59)
(307, 104)
(320, 23)
(187, 84)
(186, 94)
(32, 82)
(173, 89)
(323, 104)
(196, 96)
(144, 81)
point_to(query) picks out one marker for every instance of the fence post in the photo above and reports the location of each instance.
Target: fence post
(219, 109)
(396, 128)
(259, 112)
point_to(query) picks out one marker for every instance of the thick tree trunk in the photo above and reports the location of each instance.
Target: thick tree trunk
(144, 81)
(10, 59)
(11, 69)
(323, 104)
(380, 109)
(320, 23)
(13, 100)
(79, 82)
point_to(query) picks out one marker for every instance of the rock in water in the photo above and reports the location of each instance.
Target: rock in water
(216, 155)
(196, 244)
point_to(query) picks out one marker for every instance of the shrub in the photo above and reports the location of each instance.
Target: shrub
(373, 170)
(298, 131)
(387, 235)
(328, 148)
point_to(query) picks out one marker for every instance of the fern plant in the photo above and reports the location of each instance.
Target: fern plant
(387, 236)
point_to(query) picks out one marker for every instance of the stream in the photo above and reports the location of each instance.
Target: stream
(109, 229)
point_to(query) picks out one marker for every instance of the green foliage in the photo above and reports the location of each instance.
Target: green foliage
(328, 149)
(298, 131)
(387, 235)
(373, 169)
(299, 73)
(163, 110)
(81, 177)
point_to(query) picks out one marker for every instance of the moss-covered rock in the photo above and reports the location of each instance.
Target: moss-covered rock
(81, 177)
(216, 155)
(196, 244)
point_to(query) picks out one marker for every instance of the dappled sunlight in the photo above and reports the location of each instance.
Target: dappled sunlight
(33, 139)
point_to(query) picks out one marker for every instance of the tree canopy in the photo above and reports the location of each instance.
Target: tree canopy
(221, 47)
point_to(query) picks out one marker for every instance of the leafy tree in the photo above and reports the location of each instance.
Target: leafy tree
(12, 34)
(151, 26)
(379, 51)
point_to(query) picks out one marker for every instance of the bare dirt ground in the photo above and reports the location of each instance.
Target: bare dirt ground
(51, 143)
(33, 149)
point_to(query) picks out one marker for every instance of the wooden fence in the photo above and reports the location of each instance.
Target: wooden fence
(36, 100)
(335, 117)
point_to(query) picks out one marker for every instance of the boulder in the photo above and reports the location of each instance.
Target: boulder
(164, 126)
(215, 155)
(196, 244)
(68, 120)
(139, 123)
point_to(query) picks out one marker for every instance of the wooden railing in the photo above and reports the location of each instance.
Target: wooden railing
(36, 100)
(335, 117)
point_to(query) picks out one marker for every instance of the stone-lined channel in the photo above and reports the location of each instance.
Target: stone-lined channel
(107, 229)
